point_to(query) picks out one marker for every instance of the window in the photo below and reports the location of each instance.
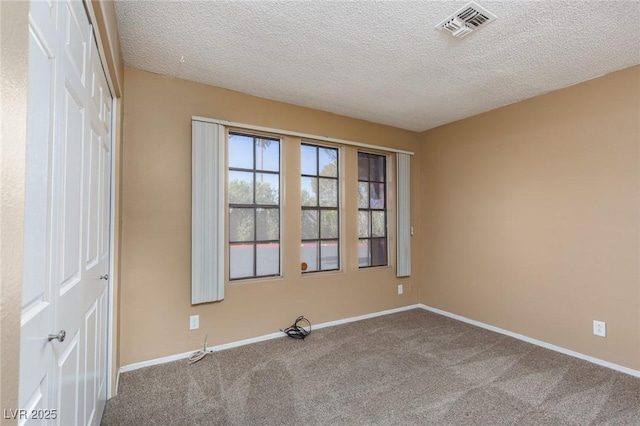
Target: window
(320, 248)
(372, 210)
(254, 206)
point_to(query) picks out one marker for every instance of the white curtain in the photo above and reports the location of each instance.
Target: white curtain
(403, 252)
(207, 212)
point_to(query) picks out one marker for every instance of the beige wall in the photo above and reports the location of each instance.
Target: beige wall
(530, 218)
(531, 214)
(14, 19)
(156, 224)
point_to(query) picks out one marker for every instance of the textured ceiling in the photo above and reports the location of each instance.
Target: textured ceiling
(382, 61)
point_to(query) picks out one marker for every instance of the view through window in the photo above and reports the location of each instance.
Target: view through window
(372, 210)
(319, 180)
(254, 206)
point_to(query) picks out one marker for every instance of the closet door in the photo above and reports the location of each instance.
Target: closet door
(66, 253)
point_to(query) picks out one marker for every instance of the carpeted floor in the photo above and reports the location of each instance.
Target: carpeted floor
(409, 368)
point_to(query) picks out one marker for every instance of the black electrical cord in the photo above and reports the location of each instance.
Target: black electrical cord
(296, 331)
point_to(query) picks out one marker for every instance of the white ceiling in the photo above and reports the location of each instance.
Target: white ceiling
(382, 61)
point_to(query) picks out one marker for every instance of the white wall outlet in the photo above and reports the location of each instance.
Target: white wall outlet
(600, 328)
(400, 289)
(194, 322)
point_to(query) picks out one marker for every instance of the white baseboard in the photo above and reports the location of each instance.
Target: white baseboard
(156, 361)
(115, 392)
(536, 342)
(366, 316)
(184, 355)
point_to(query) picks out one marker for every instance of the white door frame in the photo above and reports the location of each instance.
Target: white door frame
(112, 239)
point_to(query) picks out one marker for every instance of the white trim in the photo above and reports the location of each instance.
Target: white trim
(138, 365)
(296, 134)
(101, 53)
(533, 341)
(117, 382)
(365, 316)
(112, 252)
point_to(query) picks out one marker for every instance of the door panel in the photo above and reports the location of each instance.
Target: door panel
(90, 364)
(37, 314)
(69, 200)
(93, 198)
(68, 372)
(75, 40)
(102, 349)
(37, 401)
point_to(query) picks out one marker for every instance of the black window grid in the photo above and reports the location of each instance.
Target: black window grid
(370, 209)
(256, 207)
(320, 208)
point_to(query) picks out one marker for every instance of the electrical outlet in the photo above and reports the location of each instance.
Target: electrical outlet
(600, 328)
(194, 322)
(400, 289)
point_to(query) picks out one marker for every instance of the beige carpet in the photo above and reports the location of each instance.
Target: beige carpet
(409, 368)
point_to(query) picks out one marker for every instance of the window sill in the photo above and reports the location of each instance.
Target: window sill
(321, 273)
(255, 280)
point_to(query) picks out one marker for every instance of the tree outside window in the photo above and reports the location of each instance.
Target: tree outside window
(320, 246)
(254, 206)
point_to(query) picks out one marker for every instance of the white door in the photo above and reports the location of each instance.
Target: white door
(66, 252)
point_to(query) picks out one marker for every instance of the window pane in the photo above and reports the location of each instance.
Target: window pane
(363, 224)
(363, 195)
(267, 188)
(328, 224)
(329, 255)
(309, 255)
(363, 166)
(378, 252)
(328, 192)
(309, 193)
(250, 226)
(240, 261)
(364, 259)
(241, 226)
(377, 168)
(268, 259)
(268, 154)
(328, 162)
(267, 224)
(240, 187)
(378, 224)
(240, 151)
(308, 160)
(309, 224)
(377, 195)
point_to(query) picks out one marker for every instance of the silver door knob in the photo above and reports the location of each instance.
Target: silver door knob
(104, 277)
(59, 337)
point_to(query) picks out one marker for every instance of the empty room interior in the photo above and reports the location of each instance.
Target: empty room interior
(447, 192)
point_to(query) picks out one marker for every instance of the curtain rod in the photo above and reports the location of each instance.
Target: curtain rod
(297, 134)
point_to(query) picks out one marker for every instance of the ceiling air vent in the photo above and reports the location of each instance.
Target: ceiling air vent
(468, 19)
